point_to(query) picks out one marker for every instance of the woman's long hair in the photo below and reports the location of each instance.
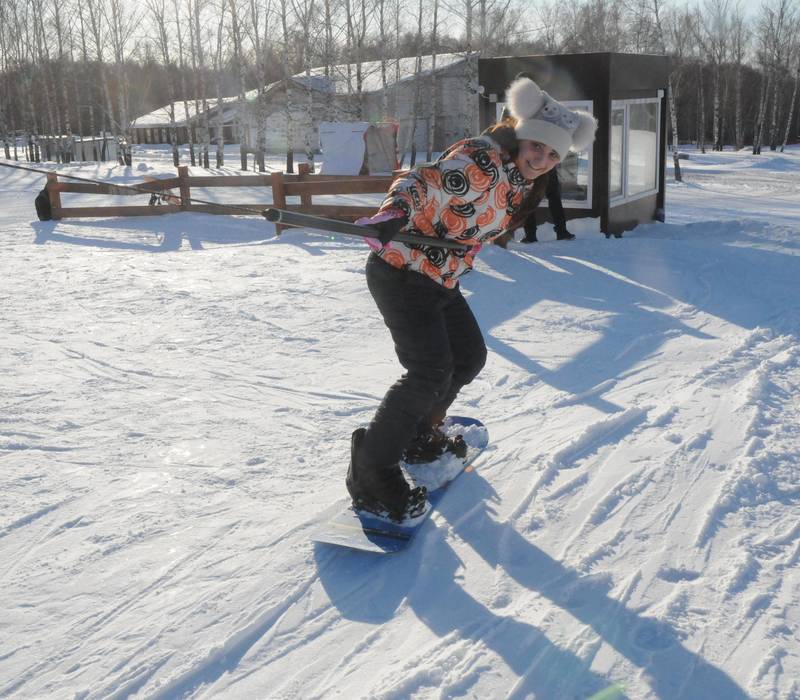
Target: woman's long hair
(504, 135)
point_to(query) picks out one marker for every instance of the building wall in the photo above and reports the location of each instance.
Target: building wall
(456, 112)
(456, 108)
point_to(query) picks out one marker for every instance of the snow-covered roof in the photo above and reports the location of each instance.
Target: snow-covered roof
(160, 117)
(397, 71)
(335, 82)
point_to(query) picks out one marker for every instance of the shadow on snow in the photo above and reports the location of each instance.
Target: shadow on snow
(370, 588)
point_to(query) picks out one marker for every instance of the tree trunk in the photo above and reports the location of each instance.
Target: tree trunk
(432, 104)
(53, 149)
(776, 101)
(182, 67)
(220, 155)
(383, 47)
(159, 15)
(417, 90)
(715, 128)
(468, 77)
(198, 64)
(69, 147)
(673, 115)
(761, 114)
(288, 88)
(739, 123)
(330, 105)
(701, 113)
(306, 16)
(238, 55)
(791, 107)
(723, 123)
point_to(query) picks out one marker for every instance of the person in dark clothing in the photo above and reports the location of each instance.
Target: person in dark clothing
(476, 190)
(553, 193)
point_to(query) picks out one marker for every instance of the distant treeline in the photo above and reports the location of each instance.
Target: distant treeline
(86, 66)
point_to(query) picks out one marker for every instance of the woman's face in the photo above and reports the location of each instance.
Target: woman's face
(535, 159)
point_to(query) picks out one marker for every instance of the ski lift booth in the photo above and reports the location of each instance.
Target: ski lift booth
(620, 178)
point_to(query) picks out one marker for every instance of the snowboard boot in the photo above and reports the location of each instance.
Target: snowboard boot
(382, 491)
(431, 443)
(530, 234)
(563, 235)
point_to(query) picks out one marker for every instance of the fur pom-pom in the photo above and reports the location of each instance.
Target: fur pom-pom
(524, 98)
(584, 133)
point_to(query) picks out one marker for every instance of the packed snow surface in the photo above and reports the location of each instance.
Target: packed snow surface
(176, 403)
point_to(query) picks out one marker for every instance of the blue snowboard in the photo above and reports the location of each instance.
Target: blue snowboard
(344, 526)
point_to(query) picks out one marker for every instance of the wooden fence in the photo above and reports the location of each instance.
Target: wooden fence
(304, 185)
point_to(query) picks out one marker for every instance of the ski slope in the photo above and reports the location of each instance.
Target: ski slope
(176, 402)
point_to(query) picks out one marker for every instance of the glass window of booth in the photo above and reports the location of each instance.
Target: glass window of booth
(633, 148)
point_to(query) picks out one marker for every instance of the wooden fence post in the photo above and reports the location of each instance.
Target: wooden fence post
(183, 177)
(53, 194)
(305, 197)
(278, 197)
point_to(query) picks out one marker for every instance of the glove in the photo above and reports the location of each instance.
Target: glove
(389, 229)
(387, 223)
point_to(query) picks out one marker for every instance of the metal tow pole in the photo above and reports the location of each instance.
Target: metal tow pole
(321, 223)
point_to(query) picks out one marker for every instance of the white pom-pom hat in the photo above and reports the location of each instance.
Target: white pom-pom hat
(541, 118)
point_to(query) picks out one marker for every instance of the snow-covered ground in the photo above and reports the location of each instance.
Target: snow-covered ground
(176, 401)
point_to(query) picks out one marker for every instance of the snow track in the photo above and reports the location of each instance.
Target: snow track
(175, 408)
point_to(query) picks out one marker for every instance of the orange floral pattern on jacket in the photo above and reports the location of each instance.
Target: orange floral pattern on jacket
(469, 195)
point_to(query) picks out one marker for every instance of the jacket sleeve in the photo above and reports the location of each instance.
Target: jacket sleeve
(433, 194)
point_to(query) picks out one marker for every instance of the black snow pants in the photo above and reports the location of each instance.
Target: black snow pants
(437, 341)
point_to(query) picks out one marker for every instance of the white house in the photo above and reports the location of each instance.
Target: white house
(346, 92)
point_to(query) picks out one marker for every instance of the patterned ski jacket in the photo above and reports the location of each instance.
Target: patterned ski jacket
(467, 195)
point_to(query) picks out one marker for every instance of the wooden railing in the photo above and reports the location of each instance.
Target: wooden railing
(304, 185)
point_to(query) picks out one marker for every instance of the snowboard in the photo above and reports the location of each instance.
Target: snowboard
(343, 526)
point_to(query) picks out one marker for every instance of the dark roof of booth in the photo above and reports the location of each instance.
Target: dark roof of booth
(578, 76)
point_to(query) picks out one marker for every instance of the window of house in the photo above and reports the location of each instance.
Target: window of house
(633, 148)
(575, 170)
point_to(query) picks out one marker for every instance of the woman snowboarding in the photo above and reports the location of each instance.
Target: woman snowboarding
(476, 190)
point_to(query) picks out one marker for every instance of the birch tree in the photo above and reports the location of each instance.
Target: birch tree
(122, 21)
(46, 81)
(262, 28)
(22, 43)
(671, 37)
(712, 34)
(304, 12)
(217, 64)
(91, 107)
(792, 104)
(182, 66)
(328, 56)
(66, 68)
(417, 89)
(769, 25)
(98, 34)
(383, 50)
(432, 94)
(6, 99)
(238, 57)
(158, 12)
(357, 26)
(739, 38)
(287, 81)
(194, 9)
(781, 23)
